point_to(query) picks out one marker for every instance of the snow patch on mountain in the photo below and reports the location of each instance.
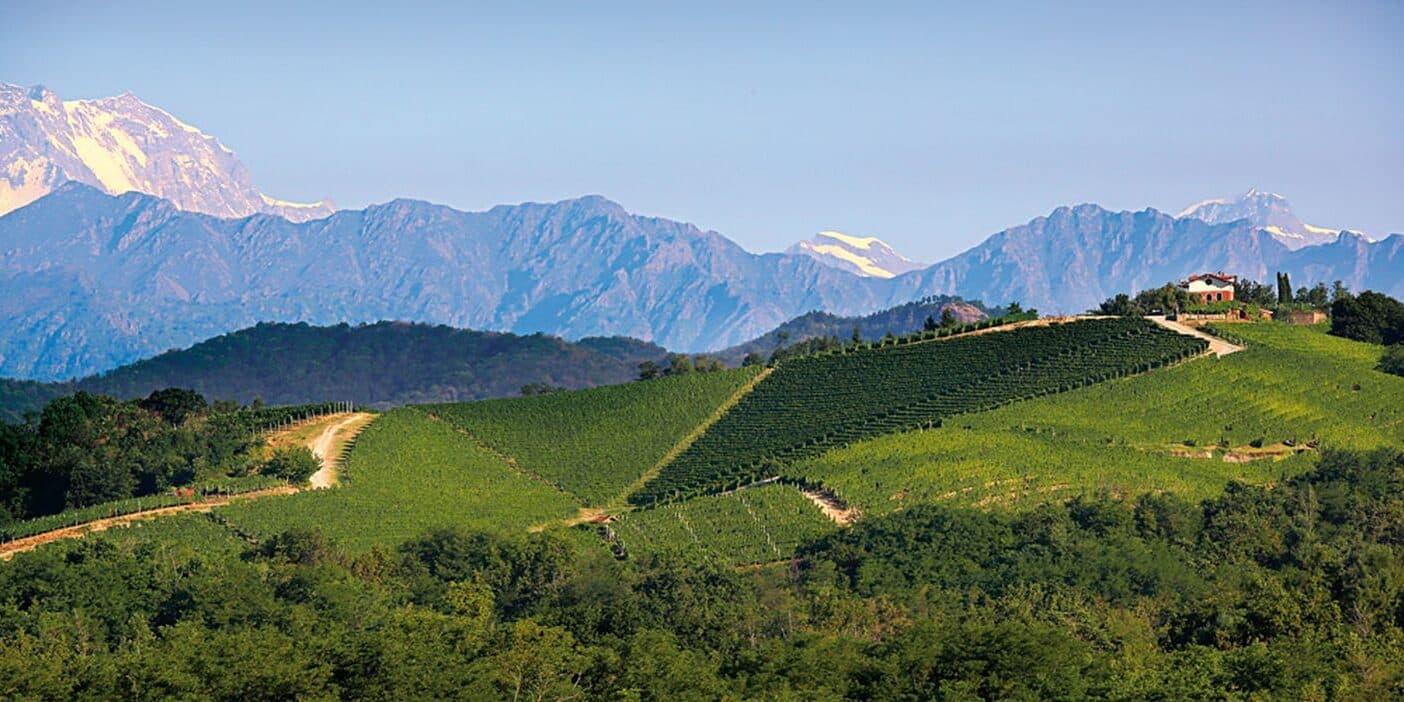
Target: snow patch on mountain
(1267, 211)
(121, 144)
(867, 256)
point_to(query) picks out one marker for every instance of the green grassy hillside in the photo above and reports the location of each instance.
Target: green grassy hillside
(755, 525)
(409, 473)
(1291, 384)
(812, 404)
(595, 443)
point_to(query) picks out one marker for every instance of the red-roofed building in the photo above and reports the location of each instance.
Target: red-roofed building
(1210, 287)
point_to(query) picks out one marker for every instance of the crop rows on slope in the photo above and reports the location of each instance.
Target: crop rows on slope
(754, 525)
(407, 474)
(815, 403)
(594, 443)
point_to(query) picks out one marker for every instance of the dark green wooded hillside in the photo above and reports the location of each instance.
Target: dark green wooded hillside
(382, 364)
(902, 319)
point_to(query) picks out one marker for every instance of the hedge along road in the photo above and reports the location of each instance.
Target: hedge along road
(337, 430)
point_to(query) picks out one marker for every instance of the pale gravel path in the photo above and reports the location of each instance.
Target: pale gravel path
(1217, 346)
(326, 445)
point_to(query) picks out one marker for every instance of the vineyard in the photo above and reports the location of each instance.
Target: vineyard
(813, 404)
(755, 525)
(409, 473)
(196, 493)
(1182, 430)
(594, 443)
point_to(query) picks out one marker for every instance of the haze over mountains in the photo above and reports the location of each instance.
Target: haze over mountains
(90, 280)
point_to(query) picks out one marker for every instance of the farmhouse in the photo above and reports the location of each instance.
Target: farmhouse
(1210, 287)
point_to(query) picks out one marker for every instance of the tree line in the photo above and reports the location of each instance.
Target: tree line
(1288, 592)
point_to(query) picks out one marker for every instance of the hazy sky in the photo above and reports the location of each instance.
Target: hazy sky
(929, 127)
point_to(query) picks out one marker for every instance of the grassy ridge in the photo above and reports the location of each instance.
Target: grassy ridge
(755, 525)
(594, 443)
(409, 473)
(1292, 383)
(812, 404)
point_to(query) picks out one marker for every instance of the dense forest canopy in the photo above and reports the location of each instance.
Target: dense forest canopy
(86, 449)
(1287, 592)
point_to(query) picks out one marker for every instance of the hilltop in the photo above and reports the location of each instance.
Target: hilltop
(378, 365)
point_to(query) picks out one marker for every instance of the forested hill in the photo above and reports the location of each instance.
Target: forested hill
(386, 363)
(899, 320)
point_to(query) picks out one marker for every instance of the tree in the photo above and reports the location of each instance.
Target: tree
(295, 465)
(1254, 293)
(1014, 308)
(1393, 360)
(540, 389)
(648, 370)
(930, 324)
(1371, 317)
(174, 405)
(857, 335)
(1339, 291)
(1120, 305)
(752, 359)
(1284, 289)
(680, 364)
(948, 319)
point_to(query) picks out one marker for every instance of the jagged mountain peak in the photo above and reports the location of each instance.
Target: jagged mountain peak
(866, 256)
(1268, 211)
(122, 144)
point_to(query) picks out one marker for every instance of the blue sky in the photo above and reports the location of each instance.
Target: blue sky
(929, 126)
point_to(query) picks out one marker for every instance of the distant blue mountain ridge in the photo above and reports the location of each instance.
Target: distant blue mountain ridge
(90, 281)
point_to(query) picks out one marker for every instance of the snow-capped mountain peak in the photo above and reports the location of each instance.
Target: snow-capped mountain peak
(1267, 211)
(867, 256)
(121, 144)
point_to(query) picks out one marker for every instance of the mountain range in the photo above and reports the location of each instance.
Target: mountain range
(90, 280)
(121, 144)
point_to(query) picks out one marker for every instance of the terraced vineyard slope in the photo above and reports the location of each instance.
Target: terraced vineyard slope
(409, 473)
(755, 525)
(594, 443)
(813, 404)
(1253, 416)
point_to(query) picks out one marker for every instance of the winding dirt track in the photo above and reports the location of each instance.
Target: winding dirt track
(340, 429)
(327, 446)
(1217, 346)
(8, 550)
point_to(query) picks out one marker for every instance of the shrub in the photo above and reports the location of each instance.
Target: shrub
(295, 465)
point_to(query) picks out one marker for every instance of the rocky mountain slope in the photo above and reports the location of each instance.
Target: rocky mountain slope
(1075, 257)
(121, 144)
(865, 256)
(1268, 211)
(89, 281)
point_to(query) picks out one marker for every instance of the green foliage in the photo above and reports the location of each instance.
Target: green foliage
(812, 404)
(1393, 360)
(1369, 317)
(84, 450)
(295, 465)
(408, 473)
(594, 443)
(755, 525)
(381, 364)
(1285, 592)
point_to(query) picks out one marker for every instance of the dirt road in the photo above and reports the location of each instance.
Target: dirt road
(1217, 346)
(8, 550)
(327, 446)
